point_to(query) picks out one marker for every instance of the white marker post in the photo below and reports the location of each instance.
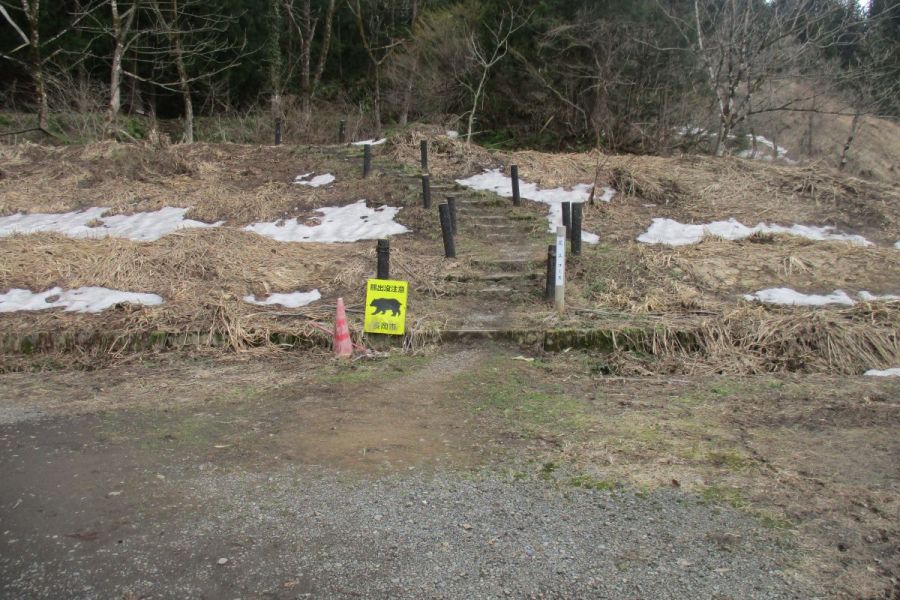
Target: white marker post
(560, 296)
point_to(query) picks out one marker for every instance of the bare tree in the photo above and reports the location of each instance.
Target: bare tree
(427, 69)
(37, 58)
(379, 43)
(744, 44)
(413, 67)
(274, 59)
(194, 41)
(868, 92)
(306, 22)
(486, 54)
(122, 31)
(586, 67)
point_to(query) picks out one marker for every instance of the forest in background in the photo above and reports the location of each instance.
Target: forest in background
(641, 76)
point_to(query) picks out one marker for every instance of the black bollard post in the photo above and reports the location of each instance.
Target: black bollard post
(278, 131)
(576, 228)
(383, 252)
(567, 214)
(447, 231)
(514, 175)
(550, 293)
(426, 191)
(423, 148)
(342, 130)
(451, 202)
(367, 160)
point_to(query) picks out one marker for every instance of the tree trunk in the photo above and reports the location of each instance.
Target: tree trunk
(475, 99)
(275, 59)
(407, 92)
(119, 30)
(306, 43)
(854, 127)
(185, 91)
(115, 91)
(809, 133)
(377, 107)
(719, 136)
(37, 70)
(40, 88)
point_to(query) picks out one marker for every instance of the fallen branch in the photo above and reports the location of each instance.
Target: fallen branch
(41, 129)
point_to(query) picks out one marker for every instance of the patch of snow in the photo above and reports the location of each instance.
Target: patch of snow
(895, 372)
(897, 245)
(608, 194)
(673, 233)
(554, 217)
(84, 299)
(789, 297)
(90, 223)
(764, 153)
(370, 142)
(317, 181)
(497, 182)
(689, 130)
(337, 224)
(867, 297)
(292, 300)
(452, 134)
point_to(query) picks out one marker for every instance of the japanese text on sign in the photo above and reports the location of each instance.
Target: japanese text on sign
(386, 306)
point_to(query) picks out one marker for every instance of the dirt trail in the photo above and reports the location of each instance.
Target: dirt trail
(387, 425)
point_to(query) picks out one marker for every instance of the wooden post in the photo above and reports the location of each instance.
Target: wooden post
(342, 130)
(576, 228)
(451, 202)
(367, 160)
(514, 176)
(277, 131)
(383, 252)
(447, 231)
(559, 295)
(423, 148)
(426, 191)
(551, 273)
(567, 214)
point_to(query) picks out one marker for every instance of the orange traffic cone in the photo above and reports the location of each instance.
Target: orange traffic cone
(343, 347)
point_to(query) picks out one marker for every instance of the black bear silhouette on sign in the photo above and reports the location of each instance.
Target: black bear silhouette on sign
(382, 305)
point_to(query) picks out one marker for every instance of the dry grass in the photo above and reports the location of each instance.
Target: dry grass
(753, 339)
(449, 158)
(689, 188)
(203, 276)
(235, 183)
(725, 268)
(639, 278)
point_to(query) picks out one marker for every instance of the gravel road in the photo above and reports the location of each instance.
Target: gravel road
(299, 533)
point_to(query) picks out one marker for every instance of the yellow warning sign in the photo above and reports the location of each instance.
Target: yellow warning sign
(386, 306)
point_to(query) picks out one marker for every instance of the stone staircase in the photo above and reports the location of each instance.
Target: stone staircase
(502, 272)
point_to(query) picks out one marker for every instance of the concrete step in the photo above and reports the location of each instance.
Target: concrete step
(478, 223)
(508, 264)
(493, 218)
(500, 276)
(495, 290)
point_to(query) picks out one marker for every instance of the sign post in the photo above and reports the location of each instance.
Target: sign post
(386, 306)
(560, 293)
